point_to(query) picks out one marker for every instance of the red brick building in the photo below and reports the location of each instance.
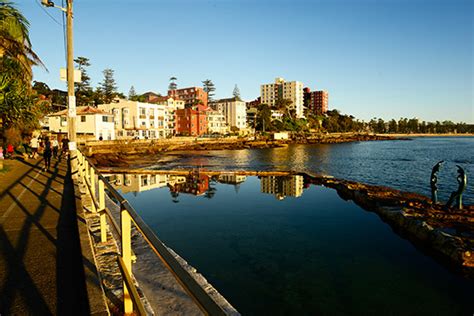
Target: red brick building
(196, 184)
(315, 101)
(191, 122)
(254, 104)
(190, 95)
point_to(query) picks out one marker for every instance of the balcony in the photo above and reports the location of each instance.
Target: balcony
(142, 116)
(152, 117)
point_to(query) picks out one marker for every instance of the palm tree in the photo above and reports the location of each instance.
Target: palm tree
(15, 43)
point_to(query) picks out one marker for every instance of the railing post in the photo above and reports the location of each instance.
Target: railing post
(86, 171)
(92, 183)
(126, 227)
(81, 162)
(103, 222)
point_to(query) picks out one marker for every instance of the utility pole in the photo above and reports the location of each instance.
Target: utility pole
(70, 92)
(71, 98)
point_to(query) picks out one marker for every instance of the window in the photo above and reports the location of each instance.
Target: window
(83, 118)
(105, 118)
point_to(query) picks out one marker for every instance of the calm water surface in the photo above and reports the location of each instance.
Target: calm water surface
(273, 248)
(404, 165)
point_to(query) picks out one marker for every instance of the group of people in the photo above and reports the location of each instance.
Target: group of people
(48, 147)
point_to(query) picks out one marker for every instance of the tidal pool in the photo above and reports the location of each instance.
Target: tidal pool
(279, 246)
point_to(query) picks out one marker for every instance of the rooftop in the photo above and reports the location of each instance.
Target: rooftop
(81, 110)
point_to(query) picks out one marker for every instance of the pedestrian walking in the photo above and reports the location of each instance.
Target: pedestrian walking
(65, 143)
(55, 144)
(34, 143)
(47, 153)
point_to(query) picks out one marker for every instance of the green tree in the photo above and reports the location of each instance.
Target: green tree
(20, 108)
(83, 89)
(236, 92)
(132, 95)
(208, 86)
(264, 118)
(15, 43)
(173, 85)
(392, 126)
(107, 88)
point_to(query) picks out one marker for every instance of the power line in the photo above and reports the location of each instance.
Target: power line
(47, 13)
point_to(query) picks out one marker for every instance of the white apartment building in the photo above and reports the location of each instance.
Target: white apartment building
(216, 123)
(171, 105)
(91, 123)
(235, 112)
(292, 90)
(143, 182)
(141, 120)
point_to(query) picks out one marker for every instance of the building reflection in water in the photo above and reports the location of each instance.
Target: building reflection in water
(282, 186)
(200, 184)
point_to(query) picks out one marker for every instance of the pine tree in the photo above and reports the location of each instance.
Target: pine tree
(108, 87)
(209, 88)
(236, 92)
(173, 85)
(83, 89)
(132, 95)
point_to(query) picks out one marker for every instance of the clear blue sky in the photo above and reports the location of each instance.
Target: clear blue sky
(385, 58)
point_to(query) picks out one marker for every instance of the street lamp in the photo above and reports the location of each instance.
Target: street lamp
(70, 83)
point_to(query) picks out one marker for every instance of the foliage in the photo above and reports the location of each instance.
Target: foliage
(264, 118)
(173, 85)
(20, 107)
(236, 93)
(14, 40)
(208, 86)
(83, 89)
(107, 89)
(13, 136)
(132, 95)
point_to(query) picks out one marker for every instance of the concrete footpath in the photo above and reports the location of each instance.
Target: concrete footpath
(46, 263)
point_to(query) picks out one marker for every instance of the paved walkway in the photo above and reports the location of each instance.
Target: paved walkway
(41, 265)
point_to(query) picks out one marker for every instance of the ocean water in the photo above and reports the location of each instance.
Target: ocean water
(278, 246)
(401, 164)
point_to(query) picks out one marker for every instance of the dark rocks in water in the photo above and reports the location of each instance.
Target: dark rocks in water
(416, 218)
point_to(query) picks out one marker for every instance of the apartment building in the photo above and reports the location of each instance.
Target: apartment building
(292, 90)
(91, 123)
(234, 110)
(216, 123)
(282, 187)
(143, 182)
(133, 119)
(316, 101)
(171, 106)
(191, 96)
(192, 122)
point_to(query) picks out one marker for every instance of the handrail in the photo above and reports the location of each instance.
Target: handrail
(202, 299)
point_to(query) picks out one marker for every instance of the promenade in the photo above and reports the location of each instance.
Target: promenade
(41, 263)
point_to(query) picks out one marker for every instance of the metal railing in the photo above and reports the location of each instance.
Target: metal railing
(93, 180)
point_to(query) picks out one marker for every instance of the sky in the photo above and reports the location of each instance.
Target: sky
(385, 58)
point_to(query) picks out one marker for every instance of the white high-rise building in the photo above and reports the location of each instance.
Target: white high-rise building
(292, 90)
(234, 110)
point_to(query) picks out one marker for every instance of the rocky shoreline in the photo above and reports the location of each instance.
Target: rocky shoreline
(140, 153)
(446, 233)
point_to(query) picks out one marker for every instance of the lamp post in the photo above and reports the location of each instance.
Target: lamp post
(70, 83)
